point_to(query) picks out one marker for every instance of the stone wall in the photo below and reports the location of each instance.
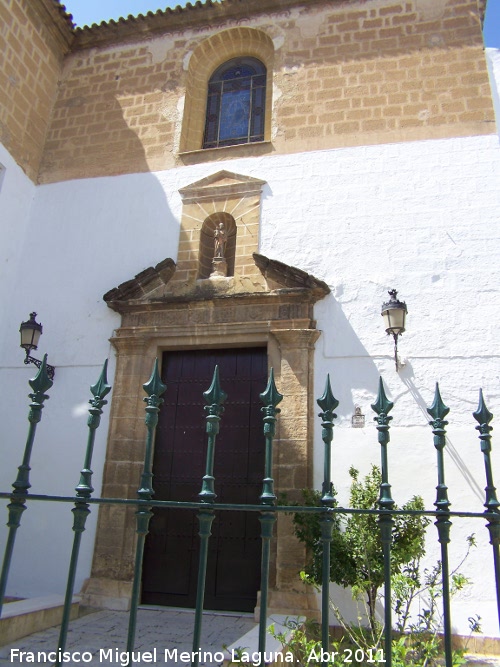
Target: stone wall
(343, 74)
(33, 47)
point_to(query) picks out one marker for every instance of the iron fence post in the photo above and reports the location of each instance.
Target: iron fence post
(83, 492)
(483, 416)
(271, 398)
(327, 403)
(438, 411)
(214, 398)
(40, 384)
(154, 388)
(382, 407)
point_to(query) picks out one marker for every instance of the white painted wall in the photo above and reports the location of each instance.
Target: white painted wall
(421, 217)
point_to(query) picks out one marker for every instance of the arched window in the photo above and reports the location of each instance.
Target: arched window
(236, 103)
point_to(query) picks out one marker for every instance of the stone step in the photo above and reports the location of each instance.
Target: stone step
(24, 617)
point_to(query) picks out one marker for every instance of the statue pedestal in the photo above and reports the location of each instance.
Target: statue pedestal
(220, 268)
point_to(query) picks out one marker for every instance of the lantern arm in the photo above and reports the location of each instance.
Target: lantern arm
(38, 363)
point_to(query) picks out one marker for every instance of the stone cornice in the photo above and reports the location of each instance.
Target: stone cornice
(265, 304)
(58, 22)
(164, 331)
(197, 15)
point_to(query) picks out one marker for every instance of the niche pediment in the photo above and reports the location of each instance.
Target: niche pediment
(221, 185)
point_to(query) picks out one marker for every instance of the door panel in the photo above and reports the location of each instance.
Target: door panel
(172, 546)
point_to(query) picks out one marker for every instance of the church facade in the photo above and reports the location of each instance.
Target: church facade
(240, 183)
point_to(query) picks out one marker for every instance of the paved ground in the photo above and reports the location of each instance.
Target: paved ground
(99, 639)
(102, 636)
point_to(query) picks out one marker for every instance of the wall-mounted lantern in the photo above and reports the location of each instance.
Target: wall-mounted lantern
(30, 332)
(394, 314)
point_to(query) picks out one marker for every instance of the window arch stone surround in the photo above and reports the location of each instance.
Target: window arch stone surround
(210, 54)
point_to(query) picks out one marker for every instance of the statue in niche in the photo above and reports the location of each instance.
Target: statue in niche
(219, 263)
(220, 240)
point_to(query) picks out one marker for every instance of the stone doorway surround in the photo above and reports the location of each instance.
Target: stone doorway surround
(280, 317)
(266, 303)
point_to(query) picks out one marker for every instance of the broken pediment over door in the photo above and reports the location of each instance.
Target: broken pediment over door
(151, 289)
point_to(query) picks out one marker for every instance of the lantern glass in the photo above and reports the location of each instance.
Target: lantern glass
(30, 333)
(394, 314)
(394, 320)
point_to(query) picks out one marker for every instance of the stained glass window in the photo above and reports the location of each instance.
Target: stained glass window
(236, 103)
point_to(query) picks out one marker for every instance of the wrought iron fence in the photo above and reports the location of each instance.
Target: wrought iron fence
(268, 508)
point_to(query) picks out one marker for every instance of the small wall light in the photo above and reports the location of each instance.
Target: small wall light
(30, 335)
(358, 418)
(394, 314)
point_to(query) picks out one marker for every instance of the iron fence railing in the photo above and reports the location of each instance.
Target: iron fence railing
(268, 508)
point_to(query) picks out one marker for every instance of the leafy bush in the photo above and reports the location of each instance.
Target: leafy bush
(357, 562)
(356, 550)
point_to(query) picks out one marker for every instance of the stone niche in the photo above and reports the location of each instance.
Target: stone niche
(168, 307)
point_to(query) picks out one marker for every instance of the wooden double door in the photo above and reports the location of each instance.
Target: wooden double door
(171, 554)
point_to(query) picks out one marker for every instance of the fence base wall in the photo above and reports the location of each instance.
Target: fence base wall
(25, 617)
